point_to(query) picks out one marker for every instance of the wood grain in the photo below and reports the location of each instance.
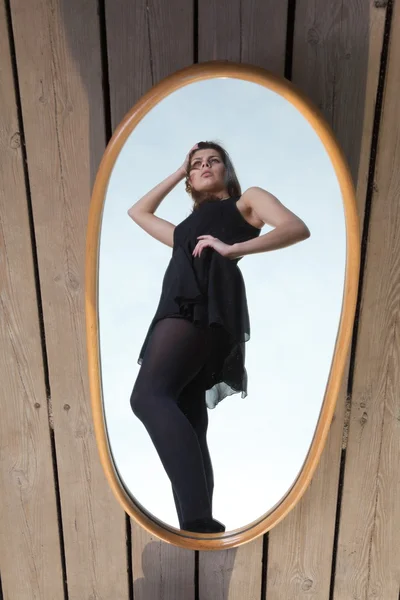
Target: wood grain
(235, 573)
(219, 30)
(58, 55)
(252, 32)
(369, 540)
(147, 41)
(337, 52)
(336, 59)
(263, 34)
(160, 570)
(29, 539)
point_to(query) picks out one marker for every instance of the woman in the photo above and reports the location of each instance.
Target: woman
(195, 342)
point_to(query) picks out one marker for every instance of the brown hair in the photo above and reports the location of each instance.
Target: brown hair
(231, 181)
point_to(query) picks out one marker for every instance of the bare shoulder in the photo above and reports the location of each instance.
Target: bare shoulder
(246, 207)
(266, 207)
(254, 195)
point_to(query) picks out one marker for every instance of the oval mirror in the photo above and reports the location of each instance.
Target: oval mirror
(221, 292)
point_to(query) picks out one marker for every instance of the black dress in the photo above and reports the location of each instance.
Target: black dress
(209, 291)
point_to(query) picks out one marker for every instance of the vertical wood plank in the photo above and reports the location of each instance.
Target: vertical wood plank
(171, 36)
(59, 67)
(263, 33)
(219, 30)
(252, 32)
(161, 570)
(369, 537)
(59, 62)
(232, 574)
(128, 53)
(147, 41)
(30, 554)
(337, 48)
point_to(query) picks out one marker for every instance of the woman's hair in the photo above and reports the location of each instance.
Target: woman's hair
(231, 181)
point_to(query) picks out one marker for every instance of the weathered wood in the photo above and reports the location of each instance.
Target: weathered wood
(336, 61)
(147, 41)
(29, 539)
(59, 62)
(219, 30)
(128, 51)
(252, 32)
(263, 33)
(160, 570)
(233, 574)
(369, 536)
(300, 547)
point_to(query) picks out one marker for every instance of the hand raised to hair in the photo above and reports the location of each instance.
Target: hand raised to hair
(185, 165)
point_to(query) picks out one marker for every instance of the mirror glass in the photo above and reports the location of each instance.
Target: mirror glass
(257, 444)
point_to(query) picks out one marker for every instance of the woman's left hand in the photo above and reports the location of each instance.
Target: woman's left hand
(208, 241)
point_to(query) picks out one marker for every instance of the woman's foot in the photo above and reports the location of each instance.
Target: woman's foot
(207, 525)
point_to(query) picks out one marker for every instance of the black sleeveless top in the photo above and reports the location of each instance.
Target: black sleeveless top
(209, 291)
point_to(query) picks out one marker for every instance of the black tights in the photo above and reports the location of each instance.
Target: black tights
(169, 398)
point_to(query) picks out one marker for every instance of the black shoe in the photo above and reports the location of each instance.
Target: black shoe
(207, 525)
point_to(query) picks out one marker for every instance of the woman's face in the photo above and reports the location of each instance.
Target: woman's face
(207, 171)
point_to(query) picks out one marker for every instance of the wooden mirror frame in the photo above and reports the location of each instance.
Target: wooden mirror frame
(183, 77)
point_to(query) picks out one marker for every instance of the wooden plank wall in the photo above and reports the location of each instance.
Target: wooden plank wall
(69, 71)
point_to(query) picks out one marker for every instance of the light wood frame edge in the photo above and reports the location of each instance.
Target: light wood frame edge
(287, 90)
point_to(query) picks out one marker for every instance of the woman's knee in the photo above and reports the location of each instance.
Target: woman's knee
(144, 402)
(136, 402)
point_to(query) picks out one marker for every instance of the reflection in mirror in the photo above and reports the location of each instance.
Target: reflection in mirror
(216, 351)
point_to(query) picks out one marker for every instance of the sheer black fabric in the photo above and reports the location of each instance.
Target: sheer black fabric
(168, 397)
(210, 292)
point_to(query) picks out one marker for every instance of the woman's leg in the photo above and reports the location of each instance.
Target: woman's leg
(175, 354)
(192, 403)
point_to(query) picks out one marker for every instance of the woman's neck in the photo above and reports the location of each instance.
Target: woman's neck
(217, 196)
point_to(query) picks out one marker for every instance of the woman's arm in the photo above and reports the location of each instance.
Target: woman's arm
(288, 229)
(142, 212)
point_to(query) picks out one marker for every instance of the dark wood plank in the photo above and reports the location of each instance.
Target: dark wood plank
(160, 570)
(252, 32)
(219, 30)
(128, 52)
(29, 539)
(369, 537)
(337, 48)
(263, 34)
(146, 42)
(59, 63)
(232, 574)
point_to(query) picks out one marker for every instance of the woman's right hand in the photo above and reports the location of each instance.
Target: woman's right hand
(185, 165)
